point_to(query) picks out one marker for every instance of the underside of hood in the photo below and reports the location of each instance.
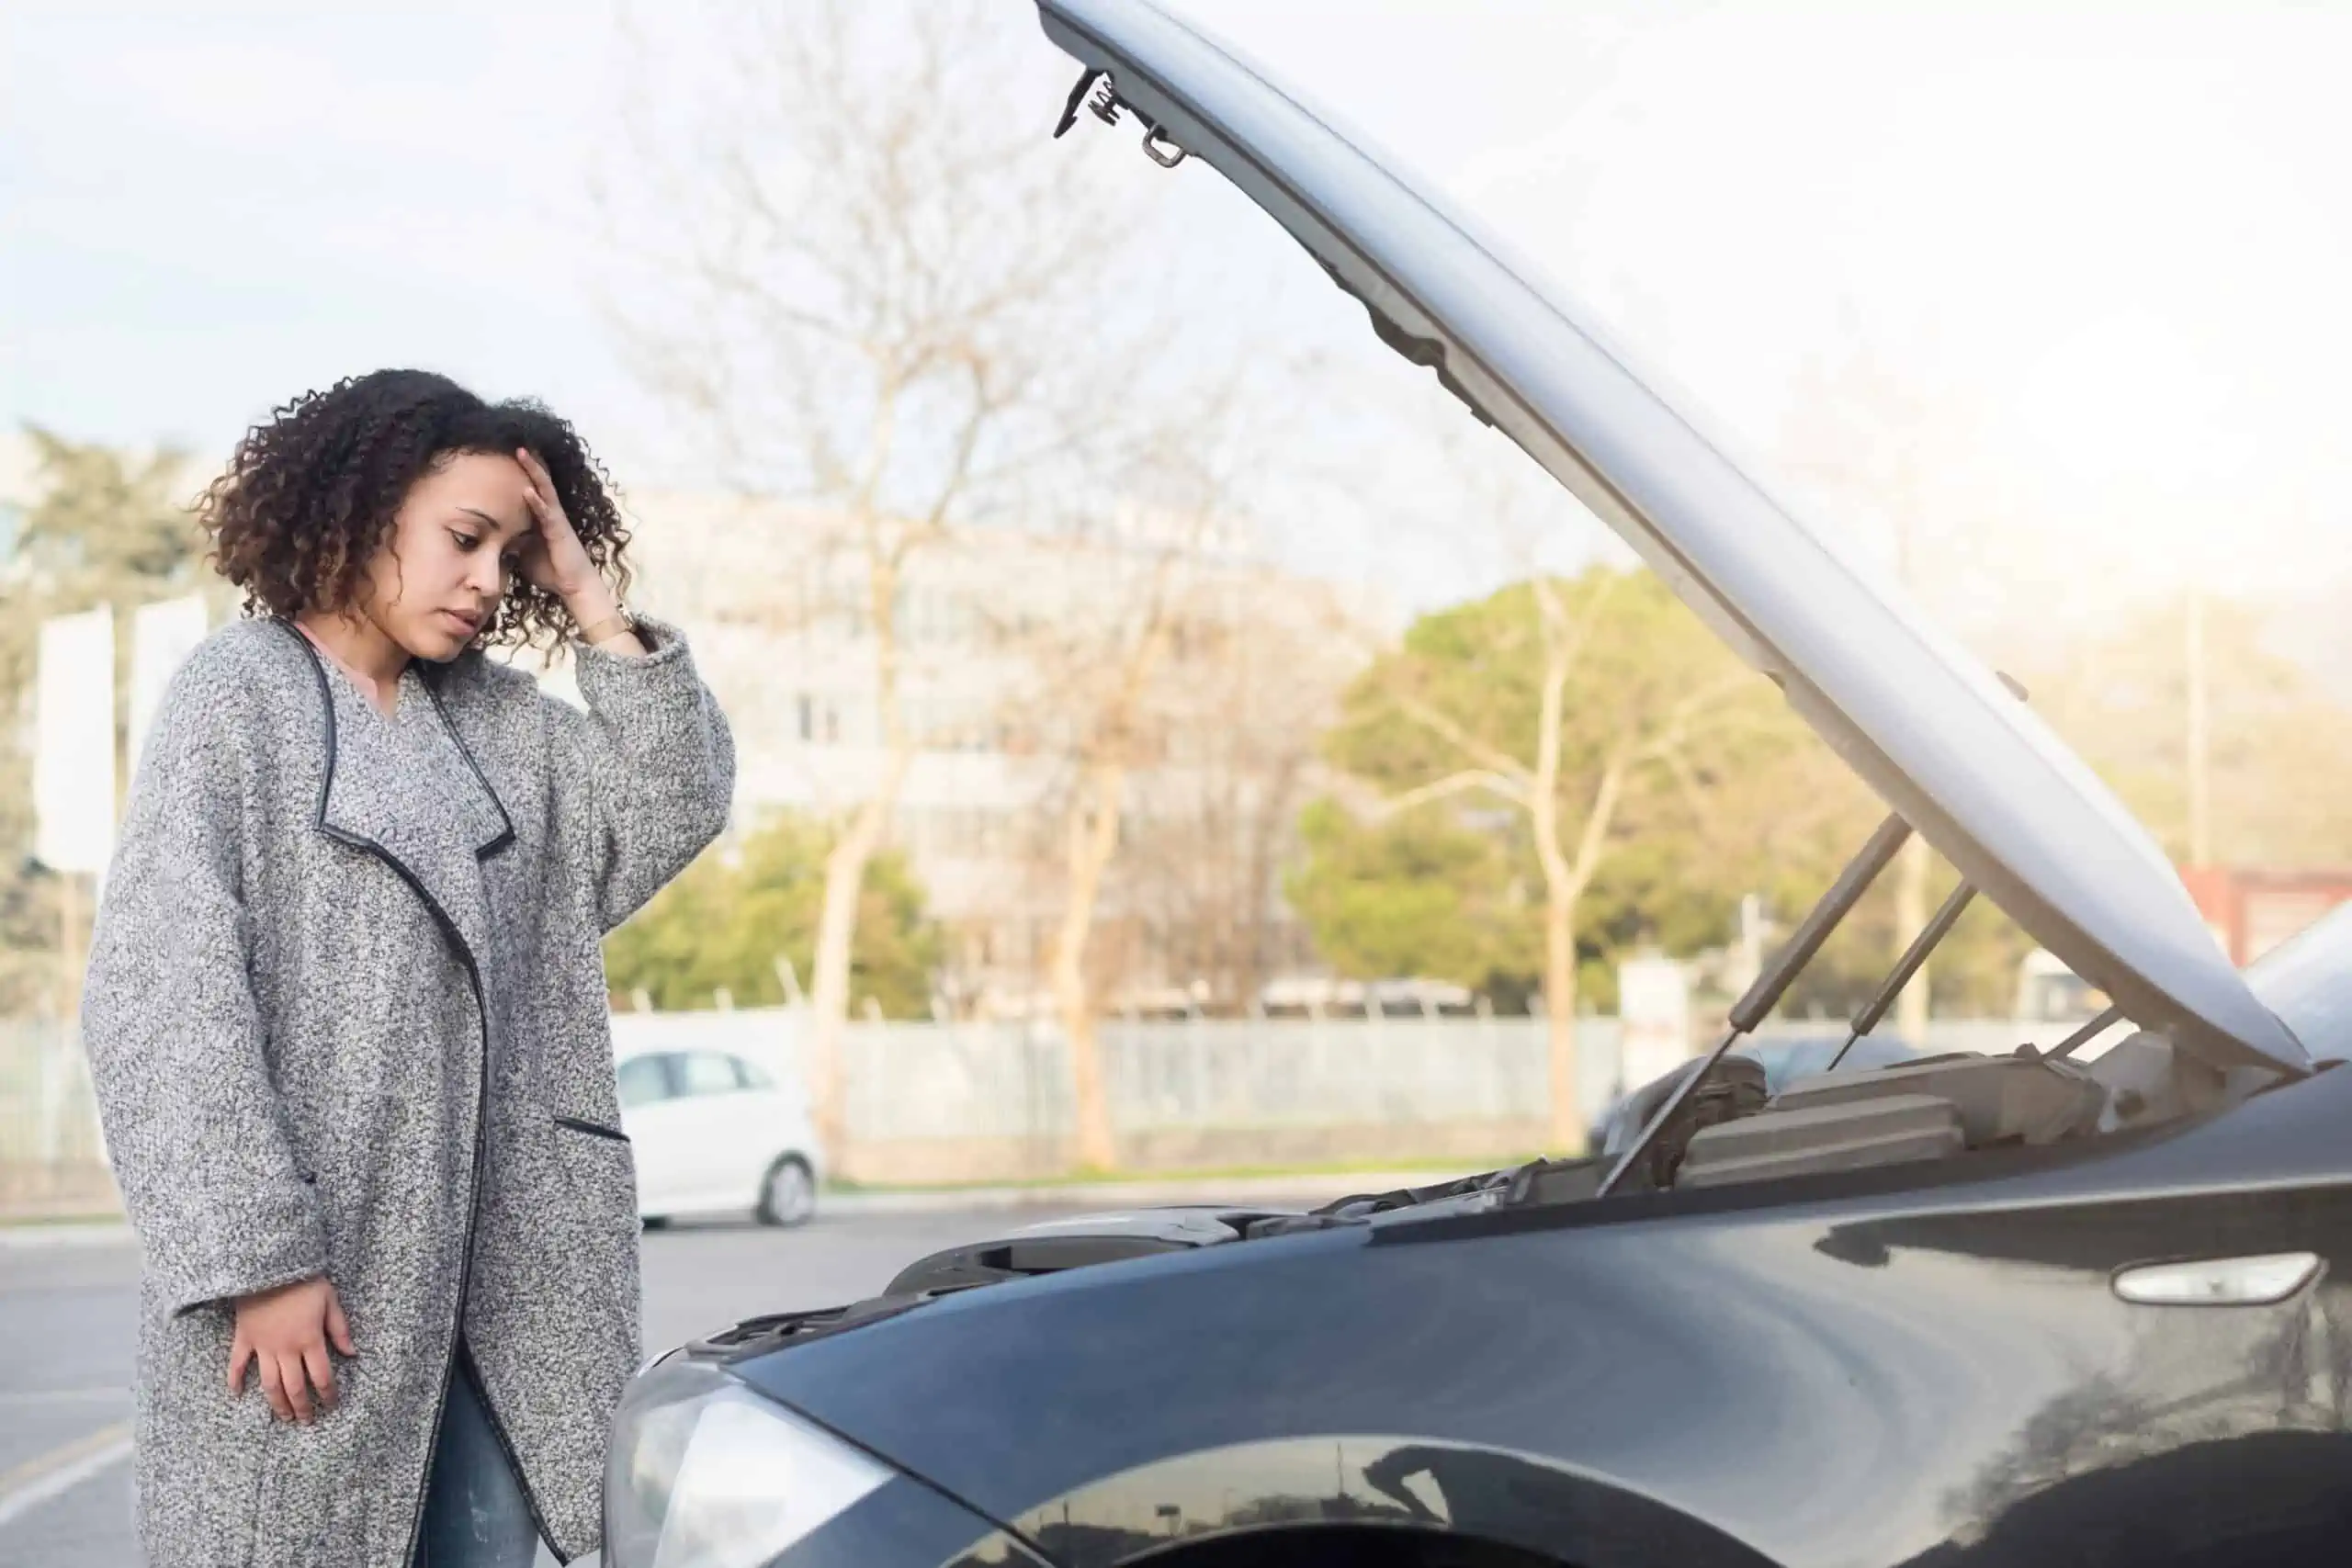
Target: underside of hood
(1924, 722)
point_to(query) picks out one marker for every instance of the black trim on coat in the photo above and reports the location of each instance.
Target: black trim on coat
(466, 959)
(432, 682)
(462, 1359)
(594, 1129)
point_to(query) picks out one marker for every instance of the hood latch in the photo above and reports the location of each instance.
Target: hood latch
(1098, 92)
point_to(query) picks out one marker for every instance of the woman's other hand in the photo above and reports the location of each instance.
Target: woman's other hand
(285, 1334)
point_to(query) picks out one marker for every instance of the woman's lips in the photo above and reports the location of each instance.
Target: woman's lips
(463, 621)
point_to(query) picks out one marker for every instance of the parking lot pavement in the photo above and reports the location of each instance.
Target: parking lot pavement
(68, 1315)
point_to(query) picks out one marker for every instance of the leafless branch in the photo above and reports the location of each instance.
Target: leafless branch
(1440, 724)
(1599, 820)
(1686, 711)
(1508, 790)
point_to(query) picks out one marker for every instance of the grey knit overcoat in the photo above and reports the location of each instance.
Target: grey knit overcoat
(346, 1013)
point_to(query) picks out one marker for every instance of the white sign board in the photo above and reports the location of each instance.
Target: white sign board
(73, 742)
(162, 636)
(1654, 1010)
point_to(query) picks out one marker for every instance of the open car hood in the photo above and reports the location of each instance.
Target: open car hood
(1925, 723)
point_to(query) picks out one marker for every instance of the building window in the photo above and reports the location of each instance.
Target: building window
(816, 720)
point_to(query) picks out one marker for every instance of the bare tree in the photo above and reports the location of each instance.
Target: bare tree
(1094, 687)
(1255, 681)
(851, 262)
(1116, 661)
(1107, 689)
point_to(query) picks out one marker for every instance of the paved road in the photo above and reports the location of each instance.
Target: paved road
(67, 1323)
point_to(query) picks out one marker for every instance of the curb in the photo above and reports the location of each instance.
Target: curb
(59, 1238)
(1304, 1191)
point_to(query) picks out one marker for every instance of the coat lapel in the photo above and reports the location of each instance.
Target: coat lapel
(418, 801)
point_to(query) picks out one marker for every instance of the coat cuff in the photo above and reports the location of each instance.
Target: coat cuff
(664, 644)
(296, 1250)
(654, 690)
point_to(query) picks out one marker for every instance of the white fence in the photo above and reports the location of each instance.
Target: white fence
(52, 1158)
(933, 1102)
(944, 1101)
(922, 1080)
(925, 1080)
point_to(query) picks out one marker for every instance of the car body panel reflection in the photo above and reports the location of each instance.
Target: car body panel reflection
(906, 1521)
(1815, 1385)
(1462, 1491)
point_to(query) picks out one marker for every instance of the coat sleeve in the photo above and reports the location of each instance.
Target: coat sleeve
(651, 767)
(195, 1127)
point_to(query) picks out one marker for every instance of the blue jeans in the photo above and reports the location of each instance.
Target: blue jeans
(474, 1513)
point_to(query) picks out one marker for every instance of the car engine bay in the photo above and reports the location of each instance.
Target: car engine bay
(1715, 1120)
(1930, 1108)
(1731, 1128)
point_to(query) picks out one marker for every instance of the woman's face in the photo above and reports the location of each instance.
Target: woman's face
(436, 583)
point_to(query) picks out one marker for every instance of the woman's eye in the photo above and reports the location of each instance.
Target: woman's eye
(465, 541)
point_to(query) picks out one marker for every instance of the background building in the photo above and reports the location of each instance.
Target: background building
(1005, 640)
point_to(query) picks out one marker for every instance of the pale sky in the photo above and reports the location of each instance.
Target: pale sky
(2110, 243)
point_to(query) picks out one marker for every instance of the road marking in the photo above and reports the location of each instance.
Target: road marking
(36, 1480)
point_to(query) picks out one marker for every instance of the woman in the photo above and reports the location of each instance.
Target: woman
(346, 1010)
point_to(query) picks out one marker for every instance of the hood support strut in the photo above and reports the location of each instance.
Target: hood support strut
(1765, 993)
(1926, 942)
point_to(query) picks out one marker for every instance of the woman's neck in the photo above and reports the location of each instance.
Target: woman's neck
(360, 645)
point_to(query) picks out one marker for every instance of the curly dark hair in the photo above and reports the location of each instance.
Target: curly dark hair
(312, 495)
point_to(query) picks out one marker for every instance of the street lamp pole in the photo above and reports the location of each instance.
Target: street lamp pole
(1914, 866)
(2200, 739)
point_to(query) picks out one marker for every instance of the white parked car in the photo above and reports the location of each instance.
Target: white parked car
(716, 1134)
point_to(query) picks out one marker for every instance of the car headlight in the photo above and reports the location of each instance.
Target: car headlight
(705, 1474)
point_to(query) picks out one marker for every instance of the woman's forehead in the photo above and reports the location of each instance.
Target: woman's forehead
(487, 484)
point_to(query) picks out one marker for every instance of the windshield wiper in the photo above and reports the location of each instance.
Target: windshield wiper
(1764, 993)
